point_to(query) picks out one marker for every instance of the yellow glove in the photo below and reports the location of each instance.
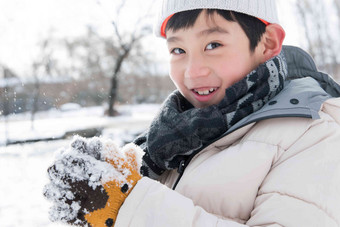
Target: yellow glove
(90, 180)
(116, 189)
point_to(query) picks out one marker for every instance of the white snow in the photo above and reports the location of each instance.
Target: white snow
(55, 123)
(23, 176)
(24, 166)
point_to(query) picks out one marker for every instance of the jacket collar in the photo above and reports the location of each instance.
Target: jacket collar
(301, 65)
(304, 92)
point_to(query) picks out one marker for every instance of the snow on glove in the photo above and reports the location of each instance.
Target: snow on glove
(90, 180)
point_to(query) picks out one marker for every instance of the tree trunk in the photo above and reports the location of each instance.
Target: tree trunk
(115, 80)
(35, 101)
(6, 106)
(336, 68)
(301, 9)
(113, 94)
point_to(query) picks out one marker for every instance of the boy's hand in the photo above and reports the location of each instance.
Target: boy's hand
(90, 180)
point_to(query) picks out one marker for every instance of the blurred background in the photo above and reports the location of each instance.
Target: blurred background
(93, 68)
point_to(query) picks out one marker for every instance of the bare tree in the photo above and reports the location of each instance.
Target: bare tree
(6, 97)
(337, 7)
(36, 94)
(319, 32)
(43, 66)
(5, 111)
(125, 44)
(301, 7)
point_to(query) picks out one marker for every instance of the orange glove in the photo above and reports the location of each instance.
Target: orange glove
(90, 180)
(117, 189)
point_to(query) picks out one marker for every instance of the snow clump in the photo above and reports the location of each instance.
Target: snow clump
(85, 160)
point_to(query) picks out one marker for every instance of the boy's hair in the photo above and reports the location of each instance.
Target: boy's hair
(252, 26)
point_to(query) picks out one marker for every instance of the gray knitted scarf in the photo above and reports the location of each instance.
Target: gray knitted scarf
(180, 130)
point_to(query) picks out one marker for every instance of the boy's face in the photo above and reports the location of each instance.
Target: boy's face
(208, 58)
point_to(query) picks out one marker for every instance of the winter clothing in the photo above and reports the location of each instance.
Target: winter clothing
(116, 192)
(262, 9)
(166, 147)
(279, 166)
(91, 180)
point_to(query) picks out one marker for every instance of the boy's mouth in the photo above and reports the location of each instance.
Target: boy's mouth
(205, 91)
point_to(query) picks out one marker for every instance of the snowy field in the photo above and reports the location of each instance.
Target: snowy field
(55, 123)
(23, 166)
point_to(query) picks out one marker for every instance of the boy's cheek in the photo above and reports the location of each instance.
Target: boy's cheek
(176, 76)
(177, 84)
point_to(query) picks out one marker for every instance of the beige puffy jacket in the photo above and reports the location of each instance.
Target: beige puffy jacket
(278, 167)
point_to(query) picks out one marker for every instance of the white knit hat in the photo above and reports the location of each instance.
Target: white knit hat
(262, 9)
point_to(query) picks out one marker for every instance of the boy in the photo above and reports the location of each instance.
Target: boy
(243, 142)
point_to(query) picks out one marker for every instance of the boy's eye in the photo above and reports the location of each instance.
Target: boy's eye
(177, 51)
(212, 46)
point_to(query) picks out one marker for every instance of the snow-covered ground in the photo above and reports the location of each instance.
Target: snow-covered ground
(23, 166)
(55, 123)
(23, 176)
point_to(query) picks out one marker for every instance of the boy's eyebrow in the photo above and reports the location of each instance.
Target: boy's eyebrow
(208, 31)
(172, 39)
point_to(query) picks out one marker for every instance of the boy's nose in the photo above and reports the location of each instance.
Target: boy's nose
(197, 68)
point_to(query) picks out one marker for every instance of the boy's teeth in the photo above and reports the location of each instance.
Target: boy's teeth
(205, 92)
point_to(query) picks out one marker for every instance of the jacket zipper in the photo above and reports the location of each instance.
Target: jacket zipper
(184, 163)
(180, 170)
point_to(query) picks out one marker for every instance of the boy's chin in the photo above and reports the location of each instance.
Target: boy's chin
(201, 104)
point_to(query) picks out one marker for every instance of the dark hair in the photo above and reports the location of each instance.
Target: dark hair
(253, 27)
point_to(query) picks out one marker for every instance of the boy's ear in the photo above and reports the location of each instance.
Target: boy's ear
(272, 40)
